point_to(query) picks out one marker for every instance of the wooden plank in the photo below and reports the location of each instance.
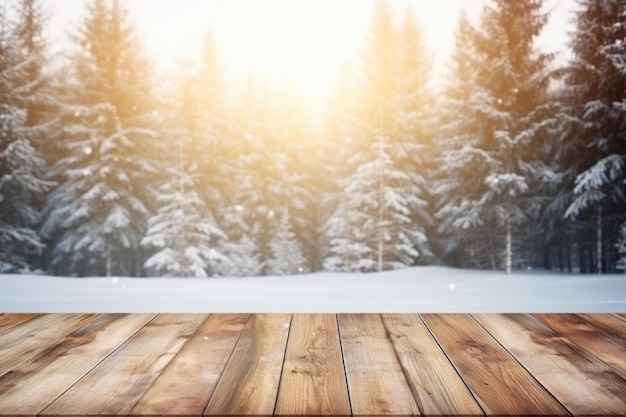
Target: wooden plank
(313, 381)
(499, 383)
(588, 338)
(118, 382)
(436, 386)
(186, 384)
(30, 338)
(614, 327)
(33, 385)
(8, 320)
(583, 384)
(376, 383)
(249, 384)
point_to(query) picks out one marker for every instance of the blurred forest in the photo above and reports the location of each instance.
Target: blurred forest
(515, 161)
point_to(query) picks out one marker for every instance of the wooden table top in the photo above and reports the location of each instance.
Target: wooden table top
(313, 364)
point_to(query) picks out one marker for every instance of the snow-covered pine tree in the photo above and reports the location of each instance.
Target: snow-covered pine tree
(22, 169)
(293, 172)
(244, 259)
(459, 155)
(269, 169)
(597, 78)
(336, 150)
(245, 211)
(97, 215)
(286, 257)
(498, 128)
(184, 231)
(21, 180)
(412, 151)
(381, 216)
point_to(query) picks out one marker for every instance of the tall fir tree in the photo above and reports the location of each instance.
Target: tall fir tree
(596, 80)
(500, 89)
(184, 230)
(269, 165)
(97, 215)
(286, 256)
(22, 169)
(461, 240)
(381, 219)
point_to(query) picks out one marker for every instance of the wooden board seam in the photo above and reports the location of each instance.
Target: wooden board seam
(619, 316)
(585, 350)
(343, 362)
(452, 364)
(282, 367)
(225, 366)
(171, 360)
(521, 364)
(18, 323)
(606, 333)
(100, 361)
(414, 393)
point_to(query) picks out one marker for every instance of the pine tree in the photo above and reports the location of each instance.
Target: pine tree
(29, 38)
(270, 169)
(97, 216)
(244, 259)
(596, 79)
(459, 156)
(22, 169)
(286, 257)
(184, 230)
(383, 215)
(504, 79)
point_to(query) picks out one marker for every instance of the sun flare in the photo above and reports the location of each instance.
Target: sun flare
(303, 41)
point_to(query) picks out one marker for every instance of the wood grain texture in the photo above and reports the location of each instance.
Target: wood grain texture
(436, 386)
(34, 384)
(118, 382)
(10, 320)
(590, 339)
(376, 382)
(313, 381)
(583, 384)
(499, 383)
(611, 325)
(186, 384)
(30, 338)
(249, 384)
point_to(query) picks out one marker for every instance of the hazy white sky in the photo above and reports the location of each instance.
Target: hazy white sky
(308, 36)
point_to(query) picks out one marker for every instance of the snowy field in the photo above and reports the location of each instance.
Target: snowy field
(421, 289)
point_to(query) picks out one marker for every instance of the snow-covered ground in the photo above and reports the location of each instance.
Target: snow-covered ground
(421, 289)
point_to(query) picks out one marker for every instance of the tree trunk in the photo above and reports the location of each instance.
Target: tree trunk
(568, 257)
(108, 260)
(509, 254)
(599, 241)
(381, 196)
(546, 257)
(582, 266)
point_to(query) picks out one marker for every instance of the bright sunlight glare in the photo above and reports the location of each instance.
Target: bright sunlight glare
(305, 41)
